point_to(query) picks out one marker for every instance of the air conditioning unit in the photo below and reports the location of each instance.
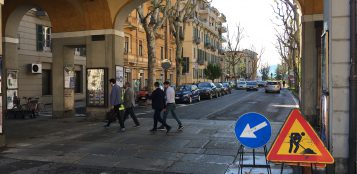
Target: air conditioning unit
(36, 68)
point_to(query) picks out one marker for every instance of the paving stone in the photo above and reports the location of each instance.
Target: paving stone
(99, 160)
(224, 152)
(198, 167)
(222, 145)
(158, 155)
(144, 164)
(218, 159)
(197, 143)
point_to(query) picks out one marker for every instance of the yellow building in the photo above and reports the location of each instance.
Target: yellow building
(136, 54)
(203, 43)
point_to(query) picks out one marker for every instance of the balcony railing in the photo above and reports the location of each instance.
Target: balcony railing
(197, 40)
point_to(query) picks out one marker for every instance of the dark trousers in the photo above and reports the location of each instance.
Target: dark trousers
(171, 107)
(130, 111)
(157, 118)
(118, 115)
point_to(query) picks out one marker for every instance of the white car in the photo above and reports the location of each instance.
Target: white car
(242, 85)
(272, 87)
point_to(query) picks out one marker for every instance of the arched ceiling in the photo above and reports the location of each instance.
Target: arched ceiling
(80, 15)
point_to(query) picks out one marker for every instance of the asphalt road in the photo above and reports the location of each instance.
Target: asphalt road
(274, 106)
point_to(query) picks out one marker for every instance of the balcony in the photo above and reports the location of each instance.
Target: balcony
(221, 51)
(213, 48)
(208, 45)
(223, 18)
(223, 29)
(197, 40)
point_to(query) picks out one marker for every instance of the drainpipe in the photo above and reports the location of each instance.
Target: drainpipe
(353, 91)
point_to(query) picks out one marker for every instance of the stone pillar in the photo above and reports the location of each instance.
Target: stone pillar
(104, 51)
(3, 101)
(309, 72)
(63, 99)
(338, 18)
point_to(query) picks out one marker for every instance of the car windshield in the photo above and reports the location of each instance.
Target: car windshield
(218, 85)
(251, 83)
(204, 85)
(183, 88)
(242, 83)
(272, 83)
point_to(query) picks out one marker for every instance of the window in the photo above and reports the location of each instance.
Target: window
(170, 54)
(162, 53)
(185, 65)
(79, 81)
(194, 53)
(43, 38)
(46, 82)
(140, 48)
(126, 45)
(80, 51)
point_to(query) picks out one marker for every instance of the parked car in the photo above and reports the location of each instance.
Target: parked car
(242, 85)
(207, 90)
(252, 85)
(273, 87)
(262, 83)
(143, 95)
(187, 94)
(227, 88)
(220, 89)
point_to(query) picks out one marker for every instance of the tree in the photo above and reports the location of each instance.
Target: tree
(265, 69)
(152, 20)
(279, 73)
(289, 39)
(179, 14)
(255, 60)
(213, 72)
(233, 56)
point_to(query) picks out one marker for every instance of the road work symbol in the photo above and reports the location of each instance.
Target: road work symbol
(253, 130)
(298, 143)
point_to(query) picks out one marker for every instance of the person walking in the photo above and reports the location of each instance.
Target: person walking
(170, 106)
(129, 103)
(116, 101)
(158, 104)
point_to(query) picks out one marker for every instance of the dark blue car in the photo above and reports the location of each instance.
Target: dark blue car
(187, 94)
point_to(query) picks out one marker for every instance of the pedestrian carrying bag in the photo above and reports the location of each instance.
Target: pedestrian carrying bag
(111, 115)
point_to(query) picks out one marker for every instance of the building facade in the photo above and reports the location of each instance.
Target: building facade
(245, 67)
(35, 49)
(203, 43)
(136, 54)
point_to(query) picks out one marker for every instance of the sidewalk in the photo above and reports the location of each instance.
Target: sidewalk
(205, 146)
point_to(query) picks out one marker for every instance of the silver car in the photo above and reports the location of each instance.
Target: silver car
(272, 87)
(242, 85)
(252, 85)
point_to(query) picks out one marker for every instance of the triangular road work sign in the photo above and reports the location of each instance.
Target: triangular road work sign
(297, 142)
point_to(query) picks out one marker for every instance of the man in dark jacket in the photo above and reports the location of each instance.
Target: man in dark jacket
(158, 104)
(116, 101)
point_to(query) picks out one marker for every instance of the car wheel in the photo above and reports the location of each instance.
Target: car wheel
(278, 92)
(266, 91)
(190, 100)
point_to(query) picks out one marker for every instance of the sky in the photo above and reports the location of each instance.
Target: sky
(256, 17)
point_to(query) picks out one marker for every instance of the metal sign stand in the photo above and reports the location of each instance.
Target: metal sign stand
(241, 164)
(312, 168)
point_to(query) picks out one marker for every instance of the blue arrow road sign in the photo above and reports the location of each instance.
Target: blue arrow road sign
(253, 130)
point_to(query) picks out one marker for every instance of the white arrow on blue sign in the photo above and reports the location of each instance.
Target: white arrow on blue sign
(253, 130)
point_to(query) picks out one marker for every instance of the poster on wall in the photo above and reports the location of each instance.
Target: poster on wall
(11, 95)
(12, 79)
(119, 75)
(97, 87)
(69, 77)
